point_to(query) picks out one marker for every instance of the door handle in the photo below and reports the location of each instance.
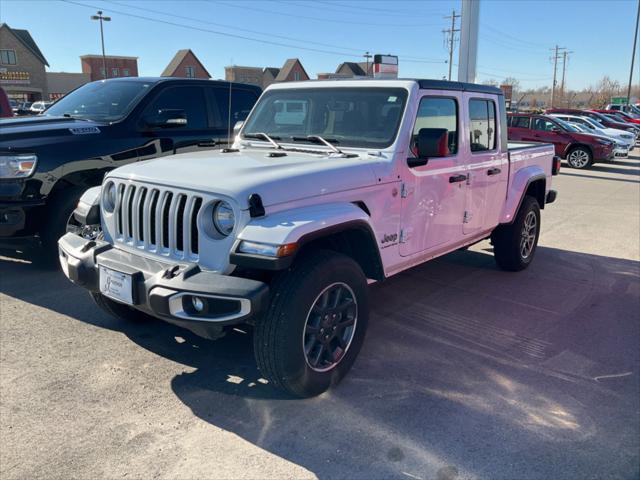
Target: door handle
(457, 178)
(493, 171)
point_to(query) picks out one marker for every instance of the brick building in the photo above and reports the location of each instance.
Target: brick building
(185, 64)
(291, 71)
(22, 65)
(250, 75)
(61, 83)
(117, 66)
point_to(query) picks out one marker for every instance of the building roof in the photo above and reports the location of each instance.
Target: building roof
(27, 40)
(355, 68)
(286, 69)
(121, 57)
(177, 59)
(273, 71)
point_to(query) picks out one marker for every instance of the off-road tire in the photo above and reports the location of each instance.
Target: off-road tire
(278, 335)
(580, 158)
(117, 310)
(506, 239)
(59, 209)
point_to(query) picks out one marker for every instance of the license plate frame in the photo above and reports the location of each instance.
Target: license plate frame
(116, 285)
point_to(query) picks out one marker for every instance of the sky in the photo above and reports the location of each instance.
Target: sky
(516, 37)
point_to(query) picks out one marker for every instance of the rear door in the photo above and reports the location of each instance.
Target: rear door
(179, 139)
(486, 164)
(230, 105)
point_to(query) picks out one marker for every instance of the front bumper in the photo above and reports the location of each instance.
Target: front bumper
(164, 290)
(621, 152)
(17, 220)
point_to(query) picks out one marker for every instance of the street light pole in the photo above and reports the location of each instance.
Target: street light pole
(104, 58)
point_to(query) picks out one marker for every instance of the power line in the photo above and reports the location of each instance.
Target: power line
(268, 34)
(319, 19)
(231, 35)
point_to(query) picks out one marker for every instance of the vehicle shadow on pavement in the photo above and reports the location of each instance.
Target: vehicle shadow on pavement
(466, 372)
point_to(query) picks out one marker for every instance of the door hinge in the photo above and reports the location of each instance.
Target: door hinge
(404, 236)
(469, 178)
(467, 217)
(403, 190)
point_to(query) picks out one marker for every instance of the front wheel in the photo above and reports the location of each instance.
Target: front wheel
(580, 157)
(315, 325)
(515, 245)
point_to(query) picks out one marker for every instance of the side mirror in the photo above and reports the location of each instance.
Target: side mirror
(236, 128)
(430, 143)
(167, 118)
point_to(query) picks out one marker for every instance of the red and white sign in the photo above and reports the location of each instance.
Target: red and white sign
(385, 66)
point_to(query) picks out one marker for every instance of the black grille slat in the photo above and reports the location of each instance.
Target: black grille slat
(182, 202)
(194, 224)
(152, 217)
(143, 196)
(165, 219)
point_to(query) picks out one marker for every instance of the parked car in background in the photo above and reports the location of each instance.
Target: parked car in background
(620, 149)
(607, 122)
(5, 105)
(622, 116)
(631, 109)
(39, 107)
(286, 229)
(24, 108)
(48, 160)
(580, 150)
(597, 128)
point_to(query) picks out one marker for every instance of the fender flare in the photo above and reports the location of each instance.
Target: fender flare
(521, 181)
(88, 210)
(299, 225)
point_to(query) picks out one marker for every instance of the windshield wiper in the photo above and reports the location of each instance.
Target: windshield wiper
(264, 136)
(318, 139)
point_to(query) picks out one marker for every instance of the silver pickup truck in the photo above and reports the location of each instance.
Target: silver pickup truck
(329, 186)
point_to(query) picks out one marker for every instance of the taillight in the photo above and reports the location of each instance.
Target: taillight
(555, 168)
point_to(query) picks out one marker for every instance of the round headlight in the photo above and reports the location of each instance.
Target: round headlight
(223, 218)
(109, 198)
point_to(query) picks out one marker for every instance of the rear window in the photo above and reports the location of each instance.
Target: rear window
(482, 115)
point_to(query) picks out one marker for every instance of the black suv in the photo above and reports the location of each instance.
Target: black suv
(47, 161)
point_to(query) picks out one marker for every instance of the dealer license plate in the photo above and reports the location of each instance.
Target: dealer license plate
(116, 285)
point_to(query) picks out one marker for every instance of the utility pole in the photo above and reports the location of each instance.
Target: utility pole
(367, 56)
(633, 56)
(565, 54)
(452, 33)
(556, 56)
(102, 18)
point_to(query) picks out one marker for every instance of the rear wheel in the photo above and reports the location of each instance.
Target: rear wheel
(580, 157)
(515, 245)
(315, 324)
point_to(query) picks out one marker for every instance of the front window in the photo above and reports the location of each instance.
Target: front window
(347, 117)
(106, 101)
(437, 112)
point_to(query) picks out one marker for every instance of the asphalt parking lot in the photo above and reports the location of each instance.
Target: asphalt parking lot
(467, 372)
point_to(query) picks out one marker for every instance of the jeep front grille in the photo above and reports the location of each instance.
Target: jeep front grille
(157, 220)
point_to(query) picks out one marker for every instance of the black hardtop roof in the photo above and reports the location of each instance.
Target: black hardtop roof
(201, 81)
(432, 84)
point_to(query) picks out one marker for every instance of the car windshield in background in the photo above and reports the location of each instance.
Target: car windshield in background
(104, 101)
(567, 126)
(346, 117)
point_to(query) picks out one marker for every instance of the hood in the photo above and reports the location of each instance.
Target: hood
(16, 128)
(239, 174)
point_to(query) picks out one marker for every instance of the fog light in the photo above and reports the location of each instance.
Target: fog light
(198, 304)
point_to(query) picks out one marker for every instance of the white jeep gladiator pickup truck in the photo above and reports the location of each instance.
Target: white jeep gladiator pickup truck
(286, 229)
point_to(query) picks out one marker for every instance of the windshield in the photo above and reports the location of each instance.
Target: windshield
(347, 117)
(105, 101)
(567, 126)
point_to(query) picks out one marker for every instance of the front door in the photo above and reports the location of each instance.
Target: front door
(433, 195)
(185, 138)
